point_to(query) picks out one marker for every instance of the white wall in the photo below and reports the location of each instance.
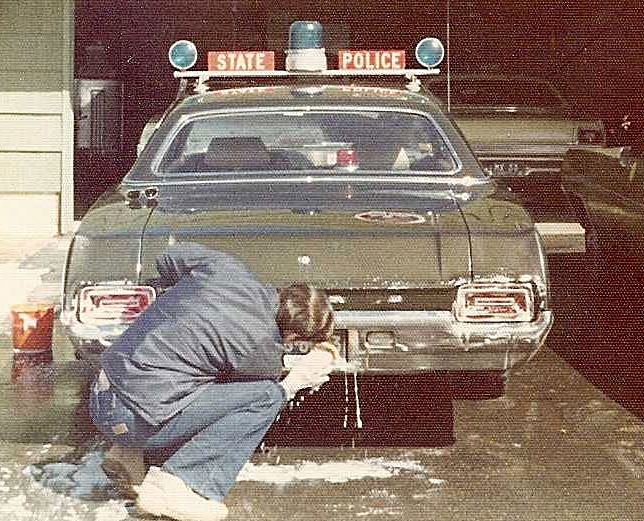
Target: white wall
(36, 117)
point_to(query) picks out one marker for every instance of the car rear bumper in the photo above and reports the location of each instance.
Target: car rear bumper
(418, 341)
(435, 341)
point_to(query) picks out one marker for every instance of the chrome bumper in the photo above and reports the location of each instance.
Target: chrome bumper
(435, 341)
(423, 341)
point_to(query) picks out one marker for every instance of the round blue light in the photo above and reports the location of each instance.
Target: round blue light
(305, 35)
(430, 52)
(182, 54)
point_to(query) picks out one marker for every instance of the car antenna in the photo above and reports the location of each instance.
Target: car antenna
(449, 96)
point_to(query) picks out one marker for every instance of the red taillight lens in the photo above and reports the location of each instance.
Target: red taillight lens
(346, 157)
(494, 303)
(102, 305)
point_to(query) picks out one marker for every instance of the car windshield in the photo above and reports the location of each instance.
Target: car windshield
(500, 93)
(342, 142)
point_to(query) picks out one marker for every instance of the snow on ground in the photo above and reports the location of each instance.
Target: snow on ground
(331, 471)
(18, 284)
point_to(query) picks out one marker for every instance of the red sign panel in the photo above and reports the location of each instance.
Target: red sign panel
(241, 61)
(365, 60)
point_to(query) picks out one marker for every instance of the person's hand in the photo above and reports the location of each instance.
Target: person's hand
(329, 347)
(311, 370)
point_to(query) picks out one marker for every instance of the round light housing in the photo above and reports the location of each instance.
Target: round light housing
(182, 54)
(305, 35)
(430, 52)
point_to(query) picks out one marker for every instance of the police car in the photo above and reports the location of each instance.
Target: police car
(328, 177)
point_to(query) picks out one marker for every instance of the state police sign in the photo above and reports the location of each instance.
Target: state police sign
(367, 60)
(241, 61)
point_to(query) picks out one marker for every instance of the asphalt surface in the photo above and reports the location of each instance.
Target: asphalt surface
(565, 442)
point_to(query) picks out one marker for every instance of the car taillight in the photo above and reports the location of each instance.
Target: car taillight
(346, 157)
(494, 303)
(102, 305)
(590, 136)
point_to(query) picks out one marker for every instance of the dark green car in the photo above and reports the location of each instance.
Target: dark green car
(368, 192)
(609, 188)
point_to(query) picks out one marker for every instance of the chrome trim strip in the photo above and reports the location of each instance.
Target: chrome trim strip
(451, 181)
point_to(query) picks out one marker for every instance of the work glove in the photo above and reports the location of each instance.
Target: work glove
(311, 370)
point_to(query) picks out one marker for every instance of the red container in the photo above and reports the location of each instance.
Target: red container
(32, 326)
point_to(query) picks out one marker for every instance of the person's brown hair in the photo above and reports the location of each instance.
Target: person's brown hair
(305, 311)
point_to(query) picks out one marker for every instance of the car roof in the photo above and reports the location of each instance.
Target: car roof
(305, 95)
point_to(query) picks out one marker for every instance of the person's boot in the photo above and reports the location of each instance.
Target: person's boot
(162, 494)
(125, 468)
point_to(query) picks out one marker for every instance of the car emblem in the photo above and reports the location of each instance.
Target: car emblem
(386, 217)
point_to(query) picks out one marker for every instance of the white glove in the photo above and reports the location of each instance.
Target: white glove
(311, 370)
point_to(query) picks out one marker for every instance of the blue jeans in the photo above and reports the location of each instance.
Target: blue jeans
(209, 441)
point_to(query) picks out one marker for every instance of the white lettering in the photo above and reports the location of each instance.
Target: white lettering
(397, 60)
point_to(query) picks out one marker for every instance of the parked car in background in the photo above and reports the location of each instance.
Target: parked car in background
(517, 126)
(610, 188)
(520, 129)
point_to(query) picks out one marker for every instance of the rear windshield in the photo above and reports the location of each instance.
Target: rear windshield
(305, 140)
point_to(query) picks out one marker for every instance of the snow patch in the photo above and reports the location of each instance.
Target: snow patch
(15, 507)
(331, 471)
(113, 511)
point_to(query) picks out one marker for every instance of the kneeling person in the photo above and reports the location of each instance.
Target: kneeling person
(197, 376)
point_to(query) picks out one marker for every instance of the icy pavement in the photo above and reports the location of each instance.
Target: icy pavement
(85, 478)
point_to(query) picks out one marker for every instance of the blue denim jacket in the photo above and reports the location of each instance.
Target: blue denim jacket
(216, 323)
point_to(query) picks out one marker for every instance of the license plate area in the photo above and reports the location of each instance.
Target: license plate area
(292, 350)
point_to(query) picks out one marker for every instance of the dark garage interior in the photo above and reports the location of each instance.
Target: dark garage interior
(123, 76)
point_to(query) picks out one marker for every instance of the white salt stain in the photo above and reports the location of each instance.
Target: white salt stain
(18, 283)
(113, 511)
(15, 506)
(331, 471)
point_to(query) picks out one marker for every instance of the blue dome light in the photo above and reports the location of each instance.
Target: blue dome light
(305, 47)
(182, 54)
(430, 52)
(305, 35)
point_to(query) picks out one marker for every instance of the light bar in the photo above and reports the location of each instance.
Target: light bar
(109, 305)
(494, 302)
(205, 75)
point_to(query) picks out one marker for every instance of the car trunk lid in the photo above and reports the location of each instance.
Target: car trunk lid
(344, 237)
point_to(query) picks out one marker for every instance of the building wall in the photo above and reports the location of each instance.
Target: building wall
(36, 117)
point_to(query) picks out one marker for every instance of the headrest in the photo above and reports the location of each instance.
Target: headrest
(237, 153)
